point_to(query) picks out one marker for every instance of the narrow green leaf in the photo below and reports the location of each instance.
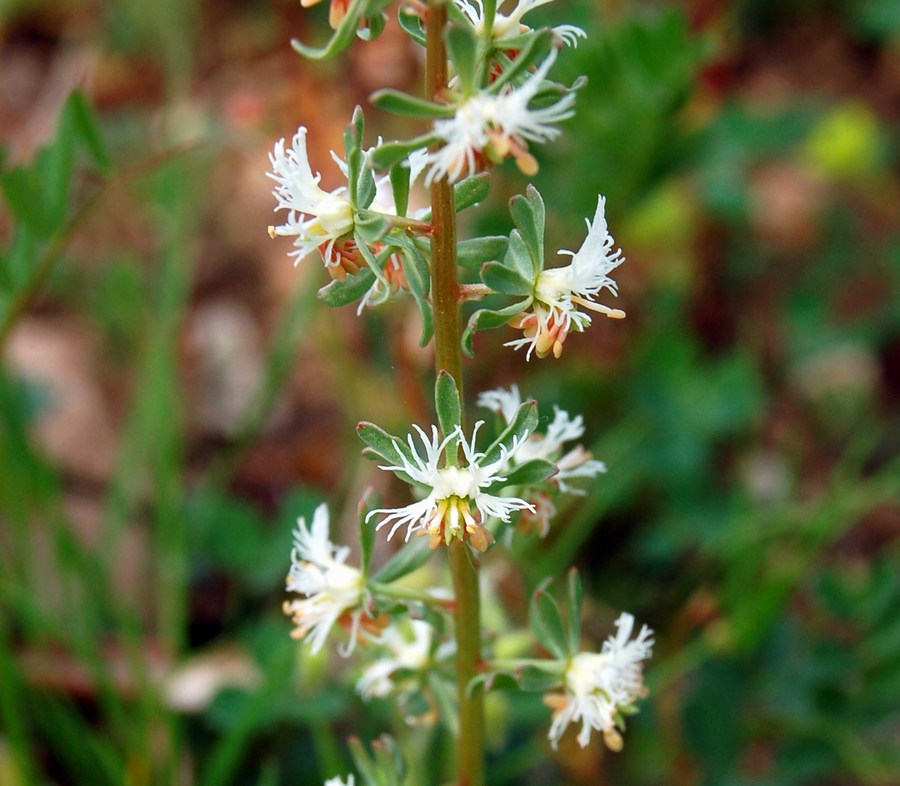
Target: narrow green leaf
(56, 164)
(385, 446)
(523, 423)
(373, 230)
(410, 557)
(471, 191)
(528, 214)
(366, 531)
(462, 46)
(446, 402)
(364, 766)
(445, 698)
(340, 40)
(519, 258)
(505, 280)
(535, 50)
(85, 122)
(412, 26)
(389, 153)
(530, 473)
(353, 154)
(575, 599)
(546, 621)
(399, 175)
(418, 278)
(365, 187)
(351, 289)
(488, 319)
(477, 251)
(24, 198)
(371, 227)
(536, 680)
(405, 105)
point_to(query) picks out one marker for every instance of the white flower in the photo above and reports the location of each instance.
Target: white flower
(333, 589)
(446, 512)
(317, 218)
(574, 463)
(558, 292)
(496, 126)
(510, 25)
(505, 402)
(338, 781)
(402, 653)
(598, 685)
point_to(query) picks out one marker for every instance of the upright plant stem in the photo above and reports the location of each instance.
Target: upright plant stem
(447, 356)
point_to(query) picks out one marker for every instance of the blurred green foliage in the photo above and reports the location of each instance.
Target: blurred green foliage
(747, 410)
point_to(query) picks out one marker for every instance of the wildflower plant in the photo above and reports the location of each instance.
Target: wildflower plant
(472, 488)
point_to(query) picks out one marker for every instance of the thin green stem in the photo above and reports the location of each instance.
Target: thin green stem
(514, 664)
(408, 593)
(447, 356)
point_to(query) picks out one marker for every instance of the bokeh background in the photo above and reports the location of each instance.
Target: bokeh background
(172, 397)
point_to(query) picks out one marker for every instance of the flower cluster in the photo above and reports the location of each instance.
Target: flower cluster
(559, 292)
(571, 463)
(458, 501)
(599, 687)
(334, 590)
(316, 218)
(491, 127)
(510, 25)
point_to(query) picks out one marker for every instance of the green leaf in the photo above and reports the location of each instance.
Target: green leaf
(530, 473)
(418, 278)
(399, 175)
(462, 48)
(505, 280)
(371, 227)
(477, 251)
(351, 289)
(366, 531)
(471, 191)
(85, 123)
(537, 680)
(23, 195)
(365, 187)
(410, 557)
(340, 40)
(445, 698)
(446, 402)
(519, 258)
(353, 138)
(362, 244)
(373, 27)
(488, 319)
(524, 422)
(412, 26)
(535, 50)
(575, 599)
(468, 192)
(405, 105)
(528, 214)
(546, 621)
(385, 446)
(387, 154)
(56, 164)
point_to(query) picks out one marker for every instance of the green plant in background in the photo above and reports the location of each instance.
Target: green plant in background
(487, 99)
